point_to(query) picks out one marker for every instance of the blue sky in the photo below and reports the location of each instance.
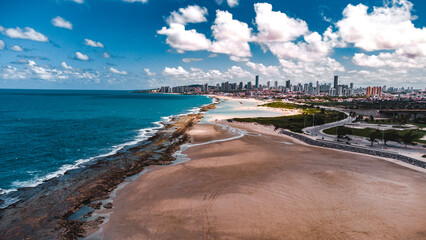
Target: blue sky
(118, 44)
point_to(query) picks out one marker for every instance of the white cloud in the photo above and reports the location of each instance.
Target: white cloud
(262, 69)
(388, 60)
(238, 59)
(78, 1)
(62, 23)
(316, 70)
(232, 3)
(2, 45)
(312, 49)
(106, 55)
(199, 76)
(64, 65)
(174, 71)
(388, 27)
(92, 43)
(184, 40)
(45, 73)
(188, 60)
(16, 48)
(13, 73)
(117, 71)
(149, 73)
(237, 72)
(275, 26)
(82, 56)
(27, 33)
(232, 36)
(190, 14)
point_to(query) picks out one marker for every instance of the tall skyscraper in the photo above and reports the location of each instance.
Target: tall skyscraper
(317, 89)
(256, 85)
(287, 84)
(240, 86)
(268, 84)
(352, 85)
(276, 84)
(336, 82)
(249, 86)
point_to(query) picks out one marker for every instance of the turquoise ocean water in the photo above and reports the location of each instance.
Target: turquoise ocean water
(44, 133)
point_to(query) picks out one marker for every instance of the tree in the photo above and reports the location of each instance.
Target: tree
(371, 118)
(391, 135)
(408, 138)
(374, 135)
(342, 131)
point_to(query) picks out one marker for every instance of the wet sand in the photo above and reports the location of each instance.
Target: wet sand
(269, 186)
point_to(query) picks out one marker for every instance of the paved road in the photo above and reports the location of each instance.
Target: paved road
(316, 132)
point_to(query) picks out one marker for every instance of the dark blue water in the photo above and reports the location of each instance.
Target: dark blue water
(43, 133)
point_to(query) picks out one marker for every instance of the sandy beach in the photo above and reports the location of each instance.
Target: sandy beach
(269, 186)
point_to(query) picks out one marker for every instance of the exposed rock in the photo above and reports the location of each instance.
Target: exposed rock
(51, 203)
(108, 205)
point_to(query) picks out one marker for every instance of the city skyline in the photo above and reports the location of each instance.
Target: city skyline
(131, 44)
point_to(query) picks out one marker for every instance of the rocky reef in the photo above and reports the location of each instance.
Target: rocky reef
(43, 212)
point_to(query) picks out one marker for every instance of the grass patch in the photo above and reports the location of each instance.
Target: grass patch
(366, 132)
(285, 105)
(296, 123)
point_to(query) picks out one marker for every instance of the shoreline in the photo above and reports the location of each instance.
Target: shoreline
(78, 187)
(269, 186)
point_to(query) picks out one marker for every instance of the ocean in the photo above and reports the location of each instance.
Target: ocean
(44, 133)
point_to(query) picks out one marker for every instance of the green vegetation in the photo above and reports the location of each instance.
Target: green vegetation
(296, 123)
(342, 132)
(285, 105)
(388, 135)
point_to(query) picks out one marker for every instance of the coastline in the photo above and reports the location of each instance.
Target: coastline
(266, 185)
(78, 188)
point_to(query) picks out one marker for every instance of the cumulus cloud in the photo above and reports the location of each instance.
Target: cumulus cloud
(232, 36)
(264, 70)
(275, 26)
(199, 76)
(238, 59)
(45, 73)
(92, 43)
(385, 59)
(174, 71)
(313, 48)
(78, 1)
(81, 56)
(188, 60)
(106, 55)
(232, 3)
(149, 73)
(10, 72)
(2, 45)
(26, 33)
(190, 14)
(387, 27)
(113, 70)
(64, 65)
(62, 23)
(184, 40)
(321, 69)
(16, 48)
